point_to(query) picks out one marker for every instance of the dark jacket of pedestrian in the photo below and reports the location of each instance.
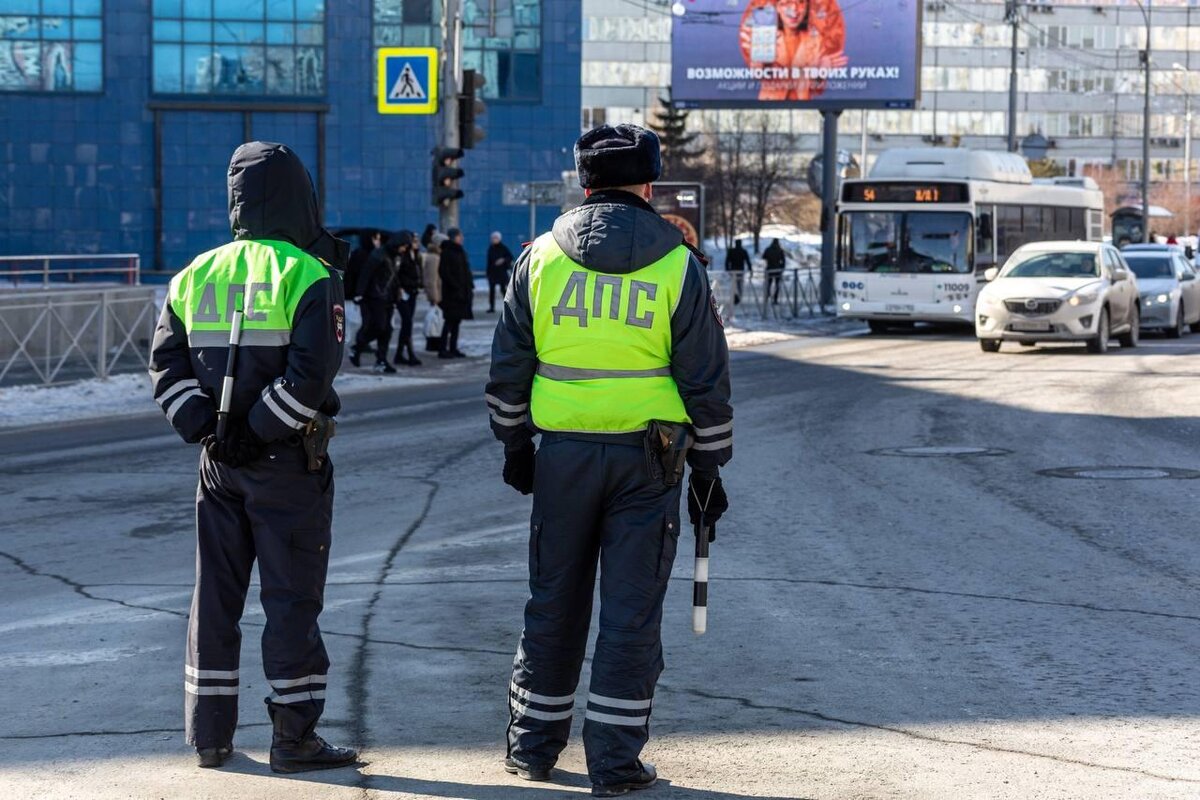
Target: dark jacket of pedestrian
(408, 272)
(499, 262)
(375, 280)
(737, 259)
(775, 257)
(458, 285)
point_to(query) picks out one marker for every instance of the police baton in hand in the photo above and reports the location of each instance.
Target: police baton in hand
(700, 578)
(235, 338)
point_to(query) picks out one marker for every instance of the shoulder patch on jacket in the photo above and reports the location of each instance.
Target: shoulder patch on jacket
(339, 322)
(712, 303)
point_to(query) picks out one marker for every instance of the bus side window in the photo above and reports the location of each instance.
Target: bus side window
(984, 234)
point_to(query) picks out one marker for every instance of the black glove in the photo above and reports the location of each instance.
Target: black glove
(706, 495)
(240, 447)
(518, 467)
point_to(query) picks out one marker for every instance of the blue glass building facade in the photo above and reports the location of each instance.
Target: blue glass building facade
(118, 117)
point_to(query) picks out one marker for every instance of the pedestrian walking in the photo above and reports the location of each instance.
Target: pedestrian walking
(430, 262)
(737, 261)
(266, 485)
(776, 260)
(427, 235)
(457, 290)
(376, 298)
(407, 285)
(499, 264)
(608, 345)
(368, 240)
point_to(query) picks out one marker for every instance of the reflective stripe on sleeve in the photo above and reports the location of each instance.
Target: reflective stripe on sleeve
(500, 405)
(713, 431)
(277, 410)
(509, 422)
(176, 388)
(556, 373)
(292, 402)
(211, 674)
(613, 719)
(192, 688)
(171, 408)
(720, 444)
(291, 683)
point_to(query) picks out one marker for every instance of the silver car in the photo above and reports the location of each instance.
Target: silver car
(1170, 293)
(1059, 292)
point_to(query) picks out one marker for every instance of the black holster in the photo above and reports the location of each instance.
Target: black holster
(667, 445)
(316, 438)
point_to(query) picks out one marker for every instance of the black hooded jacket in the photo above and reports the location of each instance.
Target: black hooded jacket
(292, 341)
(616, 232)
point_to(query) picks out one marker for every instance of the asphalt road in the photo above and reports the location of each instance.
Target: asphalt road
(881, 626)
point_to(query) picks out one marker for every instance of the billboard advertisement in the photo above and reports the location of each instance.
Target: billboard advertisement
(826, 54)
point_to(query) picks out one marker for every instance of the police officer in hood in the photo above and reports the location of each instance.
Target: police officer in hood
(610, 347)
(266, 487)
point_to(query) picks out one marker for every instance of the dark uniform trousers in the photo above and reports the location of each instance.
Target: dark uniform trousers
(278, 512)
(593, 501)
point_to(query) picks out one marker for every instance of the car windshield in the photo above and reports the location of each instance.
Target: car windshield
(906, 241)
(1150, 265)
(1043, 264)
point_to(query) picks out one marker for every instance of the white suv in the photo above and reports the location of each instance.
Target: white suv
(1059, 292)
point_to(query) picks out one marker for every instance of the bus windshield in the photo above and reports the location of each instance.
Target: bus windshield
(926, 242)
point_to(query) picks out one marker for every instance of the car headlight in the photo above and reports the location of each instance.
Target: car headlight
(1084, 298)
(1151, 299)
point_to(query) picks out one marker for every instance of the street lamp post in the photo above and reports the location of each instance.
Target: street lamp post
(1187, 148)
(1145, 9)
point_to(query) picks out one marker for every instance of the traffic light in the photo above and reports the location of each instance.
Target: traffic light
(445, 176)
(469, 109)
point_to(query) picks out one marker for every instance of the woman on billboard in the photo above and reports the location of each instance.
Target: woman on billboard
(793, 34)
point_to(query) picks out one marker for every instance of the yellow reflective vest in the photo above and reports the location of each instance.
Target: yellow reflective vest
(603, 343)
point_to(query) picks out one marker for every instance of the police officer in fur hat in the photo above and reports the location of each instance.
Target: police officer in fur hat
(610, 348)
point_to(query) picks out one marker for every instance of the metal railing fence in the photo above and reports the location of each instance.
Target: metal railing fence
(760, 296)
(66, 335)
(50, 270)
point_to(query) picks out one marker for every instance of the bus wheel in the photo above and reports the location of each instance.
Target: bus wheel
(877, 326)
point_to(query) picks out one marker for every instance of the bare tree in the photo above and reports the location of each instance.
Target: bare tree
(767, 169)
(724, 173)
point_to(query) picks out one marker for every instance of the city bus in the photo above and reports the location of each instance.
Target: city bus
(916, 235)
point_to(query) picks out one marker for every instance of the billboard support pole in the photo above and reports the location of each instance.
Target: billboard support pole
(829, 187)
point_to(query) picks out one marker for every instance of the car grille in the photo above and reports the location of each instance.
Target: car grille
(1032, 307)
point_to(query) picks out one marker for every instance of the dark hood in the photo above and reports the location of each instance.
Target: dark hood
(615, 232)
(271, 196)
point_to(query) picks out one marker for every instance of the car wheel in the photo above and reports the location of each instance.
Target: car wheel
(1176, 330)
(1099, 342)
(1131, 338)
(990, 345)
(877, 326)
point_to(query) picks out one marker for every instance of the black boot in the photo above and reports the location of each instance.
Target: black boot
(310, 753)
(643, 779)
(213, 757)
(413, 361)
(382, 367)
(526, 772)
(355, 356)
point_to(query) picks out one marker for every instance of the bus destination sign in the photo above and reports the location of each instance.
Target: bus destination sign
(905, 193)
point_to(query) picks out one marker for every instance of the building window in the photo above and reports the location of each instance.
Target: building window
(407, 23)
(502, 40)
(51, 46)
(239, 47)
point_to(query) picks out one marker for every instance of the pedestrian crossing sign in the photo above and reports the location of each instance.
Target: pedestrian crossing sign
(408, 80)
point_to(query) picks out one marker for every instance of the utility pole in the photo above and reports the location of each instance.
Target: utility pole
(451, 35)
(829, 190)
(1187, 163)
(1145, 9)
(1012, 16)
